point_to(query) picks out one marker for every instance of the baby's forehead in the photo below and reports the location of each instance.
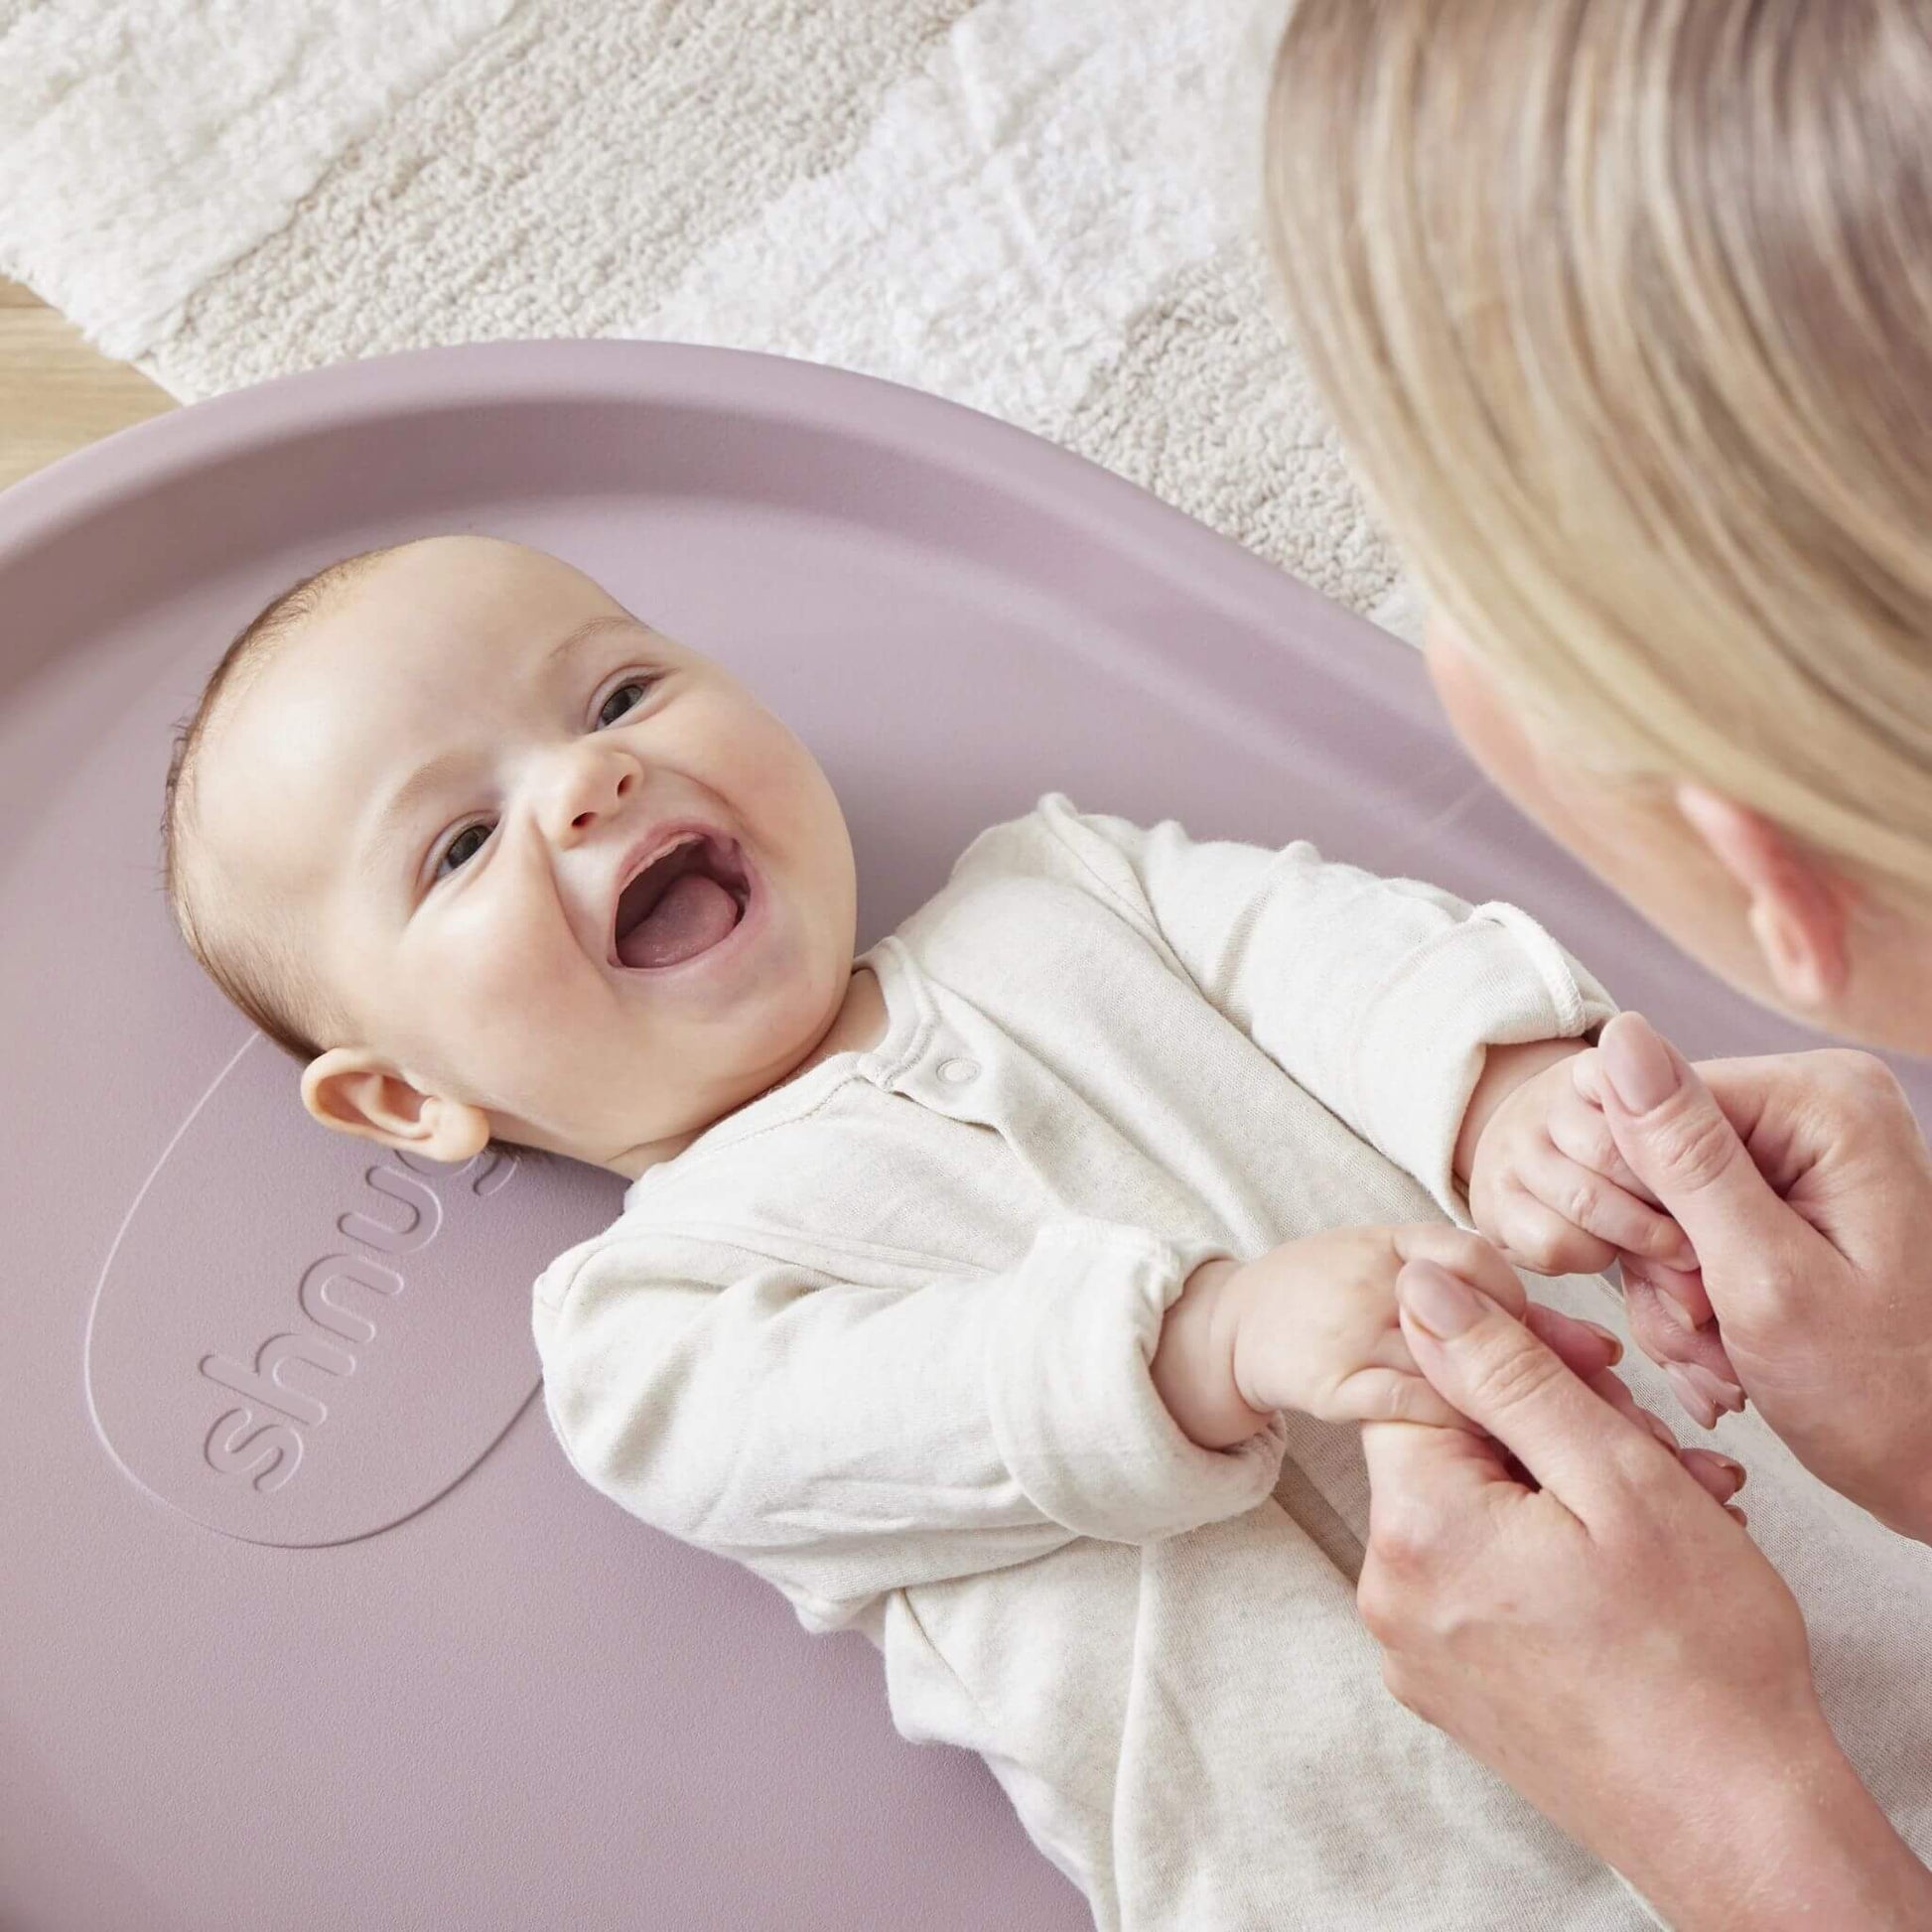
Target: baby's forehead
(340, 700)
(266, 781)
(364, 688)
(404, 628)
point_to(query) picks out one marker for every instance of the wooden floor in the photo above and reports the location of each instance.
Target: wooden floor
(56, 393)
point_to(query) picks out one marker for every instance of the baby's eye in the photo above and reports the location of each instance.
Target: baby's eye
(461, 849)
(626, 697)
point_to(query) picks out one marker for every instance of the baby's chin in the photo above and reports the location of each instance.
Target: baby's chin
(754, 1051)
(633, 1144)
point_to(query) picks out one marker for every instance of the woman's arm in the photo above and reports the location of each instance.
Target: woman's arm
(1613, 1643)
(1797, 1844)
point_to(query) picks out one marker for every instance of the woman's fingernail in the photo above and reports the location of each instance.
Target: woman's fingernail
(1735, 1467)
(1696, 1405)
(1723, 1395)
(1666, 1286)
(1670, 1308)
(1444, 1306)
(1638, 1063)
(1598, 1328)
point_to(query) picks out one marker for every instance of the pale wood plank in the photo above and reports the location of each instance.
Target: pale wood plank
(56, 393)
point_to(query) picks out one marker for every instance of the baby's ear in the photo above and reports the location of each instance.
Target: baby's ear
(353, 1093)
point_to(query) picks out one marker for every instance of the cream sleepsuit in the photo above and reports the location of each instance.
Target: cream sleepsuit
(883, 1335)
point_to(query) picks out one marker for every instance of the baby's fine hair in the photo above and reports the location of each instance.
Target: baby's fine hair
(1624, 310)
(269, 984)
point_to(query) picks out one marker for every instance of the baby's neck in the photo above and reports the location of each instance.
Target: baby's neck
(858, 1024)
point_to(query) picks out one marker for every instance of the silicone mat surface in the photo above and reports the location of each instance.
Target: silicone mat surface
(419, 1674)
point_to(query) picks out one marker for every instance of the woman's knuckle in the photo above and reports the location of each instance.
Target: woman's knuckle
(1393, 1595)
(1508, 1379)
(1863, 1074)
(1635, 1458)
(1403, 1546)
(1697, 1150)
(1380, 1605)
(1402, 1556)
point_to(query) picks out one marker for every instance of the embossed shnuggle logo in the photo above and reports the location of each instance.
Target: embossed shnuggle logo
(237, 1444)
(299, 1341)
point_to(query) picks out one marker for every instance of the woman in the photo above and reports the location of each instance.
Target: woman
(1624, 309)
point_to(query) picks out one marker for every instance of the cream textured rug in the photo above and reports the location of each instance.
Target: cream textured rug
(1044, 208)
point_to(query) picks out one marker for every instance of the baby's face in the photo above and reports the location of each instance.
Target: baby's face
(548, 863)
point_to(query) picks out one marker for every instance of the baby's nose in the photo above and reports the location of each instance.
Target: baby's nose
(591, 785)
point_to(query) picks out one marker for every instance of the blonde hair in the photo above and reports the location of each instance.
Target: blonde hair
(1624, 310)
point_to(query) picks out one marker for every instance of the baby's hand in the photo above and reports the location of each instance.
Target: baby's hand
(1548, 1186)
(1317, 1326)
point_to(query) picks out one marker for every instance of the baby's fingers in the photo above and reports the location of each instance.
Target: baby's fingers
(1598, 1206)
(1581, 1130)
(1537, 1237)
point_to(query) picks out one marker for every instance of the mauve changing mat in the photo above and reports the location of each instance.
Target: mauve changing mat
(354, 1647)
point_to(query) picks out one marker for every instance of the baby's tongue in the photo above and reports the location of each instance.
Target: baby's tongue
(693, 913)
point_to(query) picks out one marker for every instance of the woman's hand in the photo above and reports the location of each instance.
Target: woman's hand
(1611, 1642)
(1805, 1185)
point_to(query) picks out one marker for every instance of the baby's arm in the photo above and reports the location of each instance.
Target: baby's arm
(844, 1441)
(1387, 999)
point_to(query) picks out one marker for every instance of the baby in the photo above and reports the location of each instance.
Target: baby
(973, 1292)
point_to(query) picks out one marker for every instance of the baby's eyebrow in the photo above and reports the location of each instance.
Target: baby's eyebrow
(591, 627)
(387, 820)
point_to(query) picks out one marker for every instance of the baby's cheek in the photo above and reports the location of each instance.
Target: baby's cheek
(493, 998)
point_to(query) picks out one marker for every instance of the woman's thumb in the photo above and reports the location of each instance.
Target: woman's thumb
(1489, 1367)
(1679, 1143)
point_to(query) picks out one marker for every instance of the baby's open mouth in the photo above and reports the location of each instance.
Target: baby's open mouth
(682, 904)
